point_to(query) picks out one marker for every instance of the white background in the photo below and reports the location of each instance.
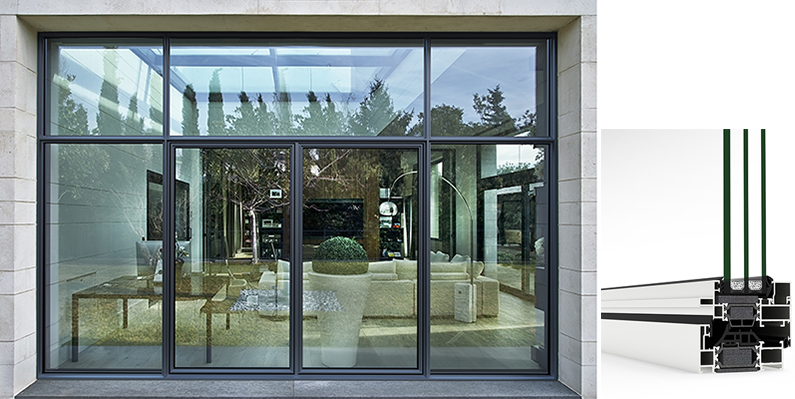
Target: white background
(666, 68)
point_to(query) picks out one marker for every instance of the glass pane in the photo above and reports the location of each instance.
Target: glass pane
(106, 88)
(488, 268)
(488, 89)
(232, 266)
(359, 258)
(104, 303)
(293, 88)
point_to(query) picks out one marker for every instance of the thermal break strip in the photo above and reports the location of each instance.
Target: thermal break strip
(699, 325)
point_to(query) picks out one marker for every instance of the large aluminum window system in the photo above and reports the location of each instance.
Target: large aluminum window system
(436, 154)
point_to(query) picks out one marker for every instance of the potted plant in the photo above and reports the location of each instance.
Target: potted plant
(340, 265)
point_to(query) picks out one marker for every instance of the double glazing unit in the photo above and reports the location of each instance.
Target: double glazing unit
(298, 206)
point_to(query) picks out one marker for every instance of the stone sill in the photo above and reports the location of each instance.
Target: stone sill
(168, 389)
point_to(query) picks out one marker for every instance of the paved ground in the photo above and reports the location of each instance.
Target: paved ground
(168, 389)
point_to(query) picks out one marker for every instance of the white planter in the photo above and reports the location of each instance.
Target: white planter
(339, 331)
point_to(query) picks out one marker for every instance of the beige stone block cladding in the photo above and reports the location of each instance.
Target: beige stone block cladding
(15, 42)
(303, 7)
(9, 7)
(17, 205)
(577, 205)
(17, 150)
(18, 88)
(17, 281)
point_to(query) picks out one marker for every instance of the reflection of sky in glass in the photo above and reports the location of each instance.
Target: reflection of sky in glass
(233, 79)
(458, 73)
(134, 77)
(512, 157)
(516, 154)
(344, 73)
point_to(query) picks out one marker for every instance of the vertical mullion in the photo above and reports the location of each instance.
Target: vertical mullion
(296, 257)
(168, 309)
(423, 247)
(427, 88)
(551, 338)
(423, 264)
(42, 215)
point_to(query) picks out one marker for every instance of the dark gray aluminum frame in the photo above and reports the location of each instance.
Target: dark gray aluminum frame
(421, 143)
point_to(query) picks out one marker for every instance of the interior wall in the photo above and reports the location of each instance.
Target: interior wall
(189, 170)
(96, 219)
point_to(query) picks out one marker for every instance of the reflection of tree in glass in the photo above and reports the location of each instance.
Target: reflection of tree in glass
(331, 165)
(246, 178)
(215, 108)
(250, 120)
(377, 116)
(72, 117)
(78, 165)
(492, 112)
(448, 120)
(155, 97)
(190, 112)
(133, 124)
(537, 165)
(322, 118)
(495, 120)
(283, 121)
(108, 117)
(86, 169)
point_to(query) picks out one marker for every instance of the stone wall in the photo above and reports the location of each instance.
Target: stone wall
(17, 205)
(577, 205)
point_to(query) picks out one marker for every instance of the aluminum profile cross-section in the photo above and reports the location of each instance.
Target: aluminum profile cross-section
(699, 325)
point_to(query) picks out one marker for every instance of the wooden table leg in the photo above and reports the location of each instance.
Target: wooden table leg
(75, 327)
(227, 321)
(209, 337)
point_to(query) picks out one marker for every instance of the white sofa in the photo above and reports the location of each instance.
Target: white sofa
(393, 291)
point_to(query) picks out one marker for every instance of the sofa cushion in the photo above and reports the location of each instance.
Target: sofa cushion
(386, 266)
(406, 269)
(439, 256)
(384, 276)
(449, 276)
(460, 258)
(449, 267)
(477, 268)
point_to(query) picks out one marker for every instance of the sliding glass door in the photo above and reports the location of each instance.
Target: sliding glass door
(231, 300)
(360, 232)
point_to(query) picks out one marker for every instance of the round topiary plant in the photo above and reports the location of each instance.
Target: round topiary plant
(340, 256)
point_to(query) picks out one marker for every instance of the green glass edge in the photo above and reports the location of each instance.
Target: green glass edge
(764, 210)
(745, 209)
(726, 206)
